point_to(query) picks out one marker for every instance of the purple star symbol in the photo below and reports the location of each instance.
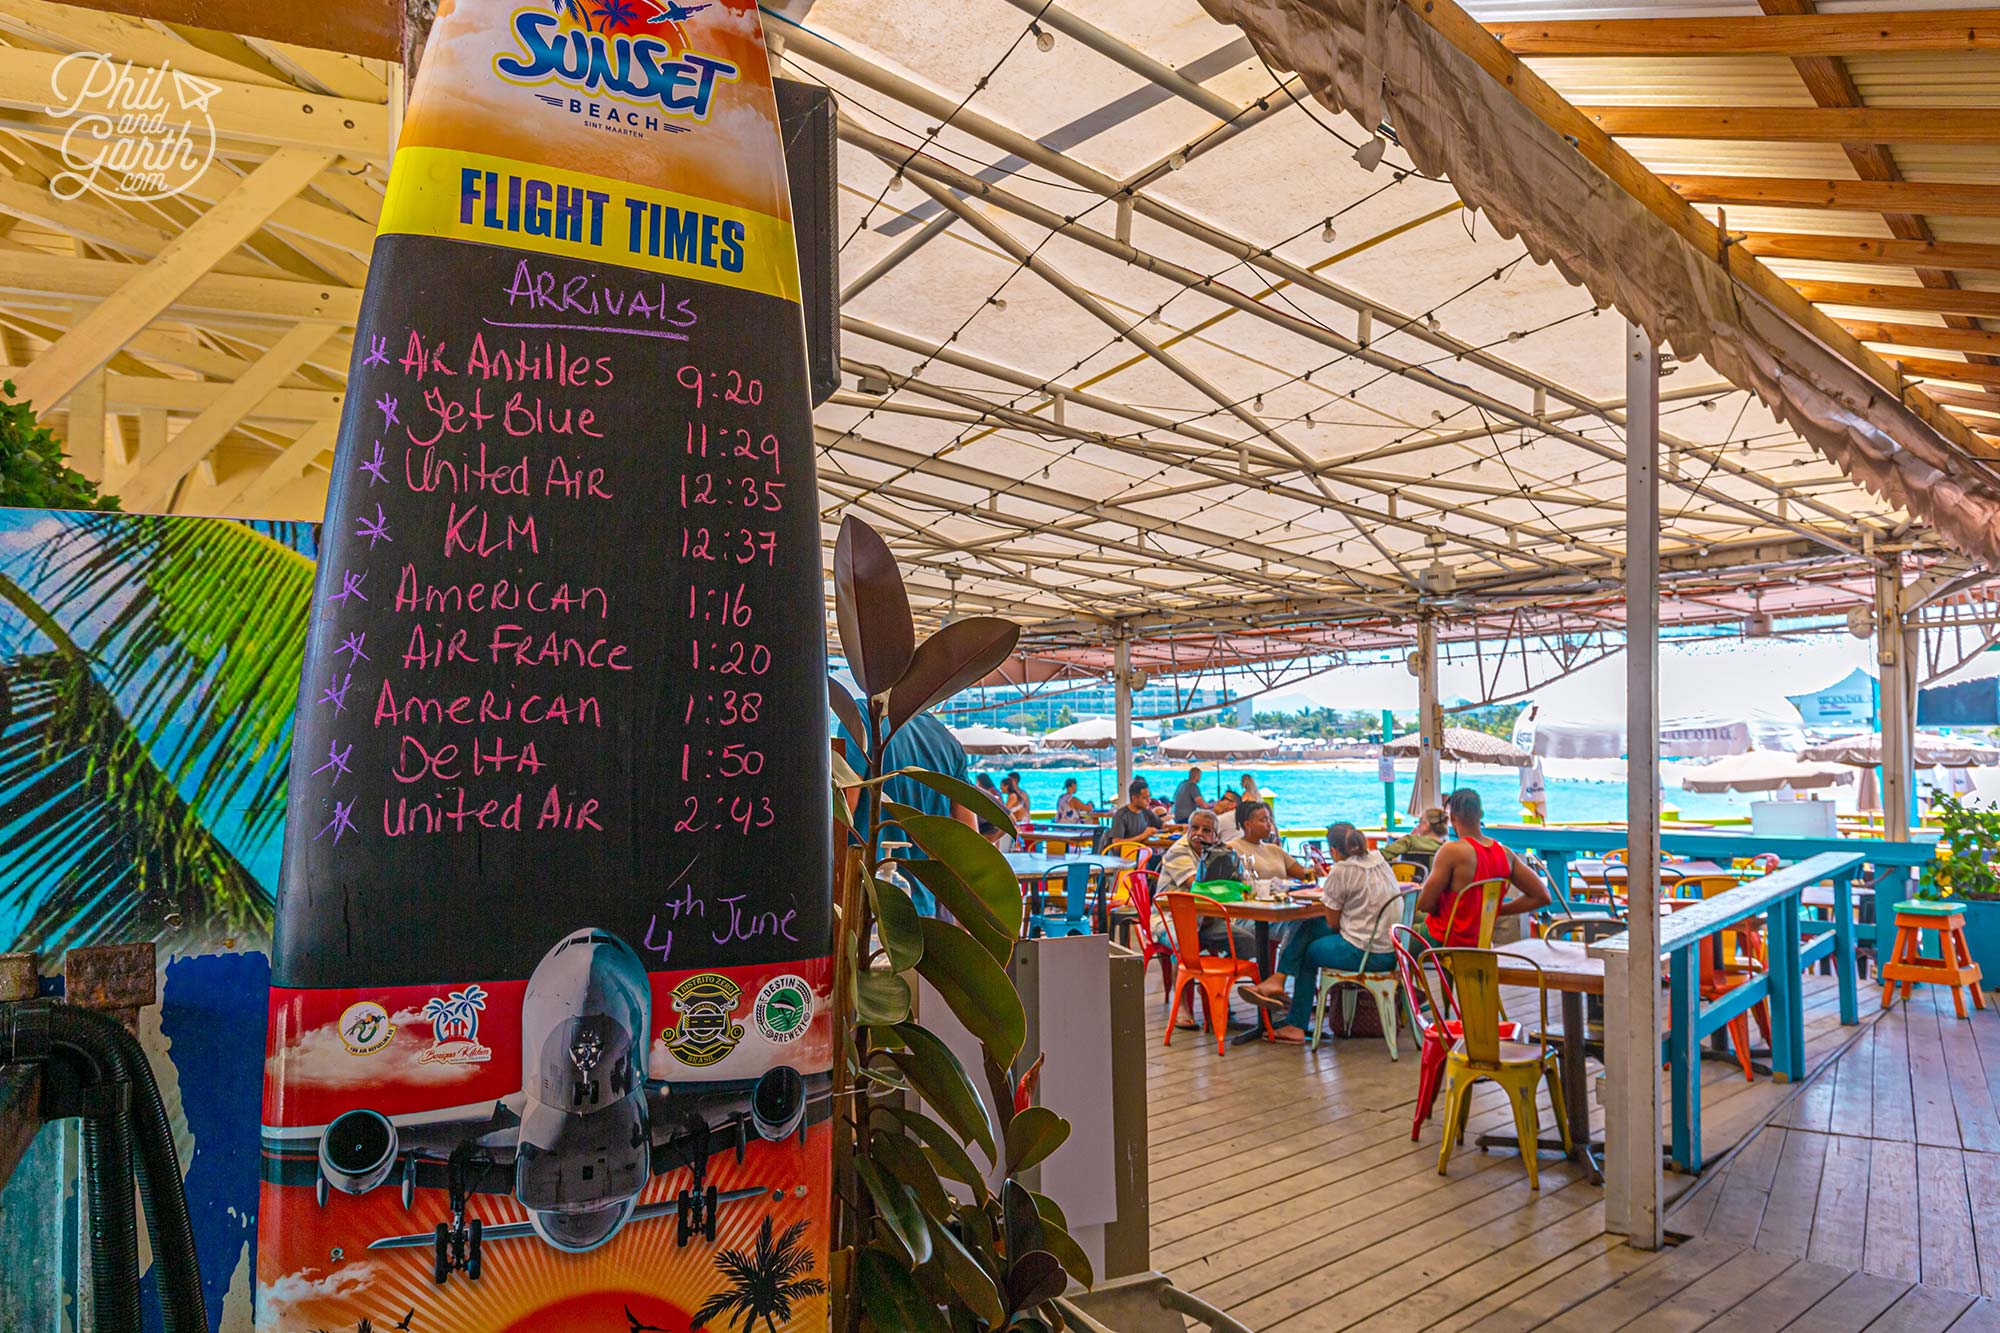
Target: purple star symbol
(378, 350)
(373, 467)
(342, 821)
(374, 529)
(350, 586)
(336, 694)
(336, 759)
(351, 645)
(387, 406)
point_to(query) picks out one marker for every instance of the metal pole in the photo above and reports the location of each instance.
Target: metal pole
(1122, 684)
(1892, 656)
(1388, 768)
(1634, 1070)
(1430, 718)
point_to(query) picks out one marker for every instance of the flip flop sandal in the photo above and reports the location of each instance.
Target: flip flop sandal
(1244, 991)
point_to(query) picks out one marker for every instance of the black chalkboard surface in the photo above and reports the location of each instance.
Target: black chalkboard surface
(567, 661)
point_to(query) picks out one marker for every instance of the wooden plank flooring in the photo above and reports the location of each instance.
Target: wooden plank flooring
(1285, 1189)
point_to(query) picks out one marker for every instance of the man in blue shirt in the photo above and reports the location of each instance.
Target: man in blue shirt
(922, 742)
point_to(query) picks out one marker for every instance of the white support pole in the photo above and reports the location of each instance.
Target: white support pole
(1430, 717)
(1122, 669)
(1632, 1130)
(1893, 658)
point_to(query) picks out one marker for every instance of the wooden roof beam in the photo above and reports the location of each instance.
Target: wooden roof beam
(1757, 35)
(1795, 124)
(1935, 300)
(1887, 196)
(1967, 255)
(1958, 372)
(1969, 341)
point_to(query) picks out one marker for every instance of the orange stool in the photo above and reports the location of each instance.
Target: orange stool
(1954, 968)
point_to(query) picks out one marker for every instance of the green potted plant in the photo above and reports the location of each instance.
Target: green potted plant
(933, 1233)
(1964, 873)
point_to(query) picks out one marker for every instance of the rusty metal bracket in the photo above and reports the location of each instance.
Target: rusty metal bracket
(117, 979)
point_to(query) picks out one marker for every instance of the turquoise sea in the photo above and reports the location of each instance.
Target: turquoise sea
(1315, 795)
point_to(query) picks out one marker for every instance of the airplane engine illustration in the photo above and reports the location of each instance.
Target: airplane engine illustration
(358, 1151)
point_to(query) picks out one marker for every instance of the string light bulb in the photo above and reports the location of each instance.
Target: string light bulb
(1045, 41)
(1258, 404)
(895, 182)
(1433, 323)
(1326, 233)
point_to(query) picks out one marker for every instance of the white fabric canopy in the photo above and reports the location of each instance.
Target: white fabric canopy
(1217, 743)
(1097, 733)
(1715, 699)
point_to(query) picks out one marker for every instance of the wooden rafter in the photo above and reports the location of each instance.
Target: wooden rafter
(1865, 196)
(1876, 297)
(1874, 250)
(1970, 341)
(1792, 124)
(1758, 35)
(1958, 372)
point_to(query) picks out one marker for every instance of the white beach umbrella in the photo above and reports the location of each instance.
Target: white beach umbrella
(1463, 745)
(1763, 770)
(1217, 743)
(1097, 733)
(981, 739)
(1932, 751)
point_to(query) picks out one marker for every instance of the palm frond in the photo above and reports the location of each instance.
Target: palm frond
(98, 844)
(199, 630)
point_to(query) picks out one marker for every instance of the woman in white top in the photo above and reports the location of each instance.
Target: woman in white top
(1353, 934)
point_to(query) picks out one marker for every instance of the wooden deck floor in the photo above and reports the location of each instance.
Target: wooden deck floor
(1285, 1189)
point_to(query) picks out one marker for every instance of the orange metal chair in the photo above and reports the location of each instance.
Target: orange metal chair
(1213, 977)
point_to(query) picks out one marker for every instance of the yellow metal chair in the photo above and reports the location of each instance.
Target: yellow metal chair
(1472, 977)
(1406, 872)
(1490, 892)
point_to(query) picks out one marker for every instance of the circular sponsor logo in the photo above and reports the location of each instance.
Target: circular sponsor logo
(783, 1009)
(365, 1028)
(706, 1032)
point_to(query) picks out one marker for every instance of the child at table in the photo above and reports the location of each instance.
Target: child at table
(1353, 933)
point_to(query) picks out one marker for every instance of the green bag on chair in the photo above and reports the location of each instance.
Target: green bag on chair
(1223, 890)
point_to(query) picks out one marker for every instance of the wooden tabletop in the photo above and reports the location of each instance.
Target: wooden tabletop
(1566, 965)
(1285, 909)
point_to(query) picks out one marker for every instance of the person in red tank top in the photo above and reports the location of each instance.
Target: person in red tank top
(1451, 914)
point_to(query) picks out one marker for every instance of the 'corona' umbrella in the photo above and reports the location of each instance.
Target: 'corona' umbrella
(978, 739)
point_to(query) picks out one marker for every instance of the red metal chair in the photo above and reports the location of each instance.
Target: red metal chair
(1137, 921)
(1214, 977)
(1438, 1033)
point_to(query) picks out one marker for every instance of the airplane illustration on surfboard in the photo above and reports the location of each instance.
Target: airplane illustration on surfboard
(585, 1135)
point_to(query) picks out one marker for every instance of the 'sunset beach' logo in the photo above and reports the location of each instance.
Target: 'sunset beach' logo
(604, 48)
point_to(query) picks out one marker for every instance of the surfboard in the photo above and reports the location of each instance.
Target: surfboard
(549, 1036)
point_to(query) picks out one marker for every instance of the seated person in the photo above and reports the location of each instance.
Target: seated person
(1422, 842)
(1194, 858)
(1071, 808)
(1357, 888)
(1451, 914)
(1225, 808)
(1136, 818)
(1258, 844)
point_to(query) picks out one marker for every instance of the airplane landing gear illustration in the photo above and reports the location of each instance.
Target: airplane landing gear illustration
(457, 1244)
(696, 1216)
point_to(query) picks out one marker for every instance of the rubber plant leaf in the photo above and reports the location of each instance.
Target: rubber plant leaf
(968, 907)
(897, 1206)
(899, 1155)
(941, 1081)
(951, 659)
(976, 987)
(891, 1298)
(881, 997)
(896, 923)
(967, 795)
(946, 1153)
(1057, 1240)
(1023, 1223)
(972, 858)
(1034, 1279)
(973, 1284)
(871, 609)
(848, 712)
(1032, 1135)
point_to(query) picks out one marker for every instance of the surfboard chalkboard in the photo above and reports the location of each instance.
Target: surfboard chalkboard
(549, 1019)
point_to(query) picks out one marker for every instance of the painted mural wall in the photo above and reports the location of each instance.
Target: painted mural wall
(149, 667)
